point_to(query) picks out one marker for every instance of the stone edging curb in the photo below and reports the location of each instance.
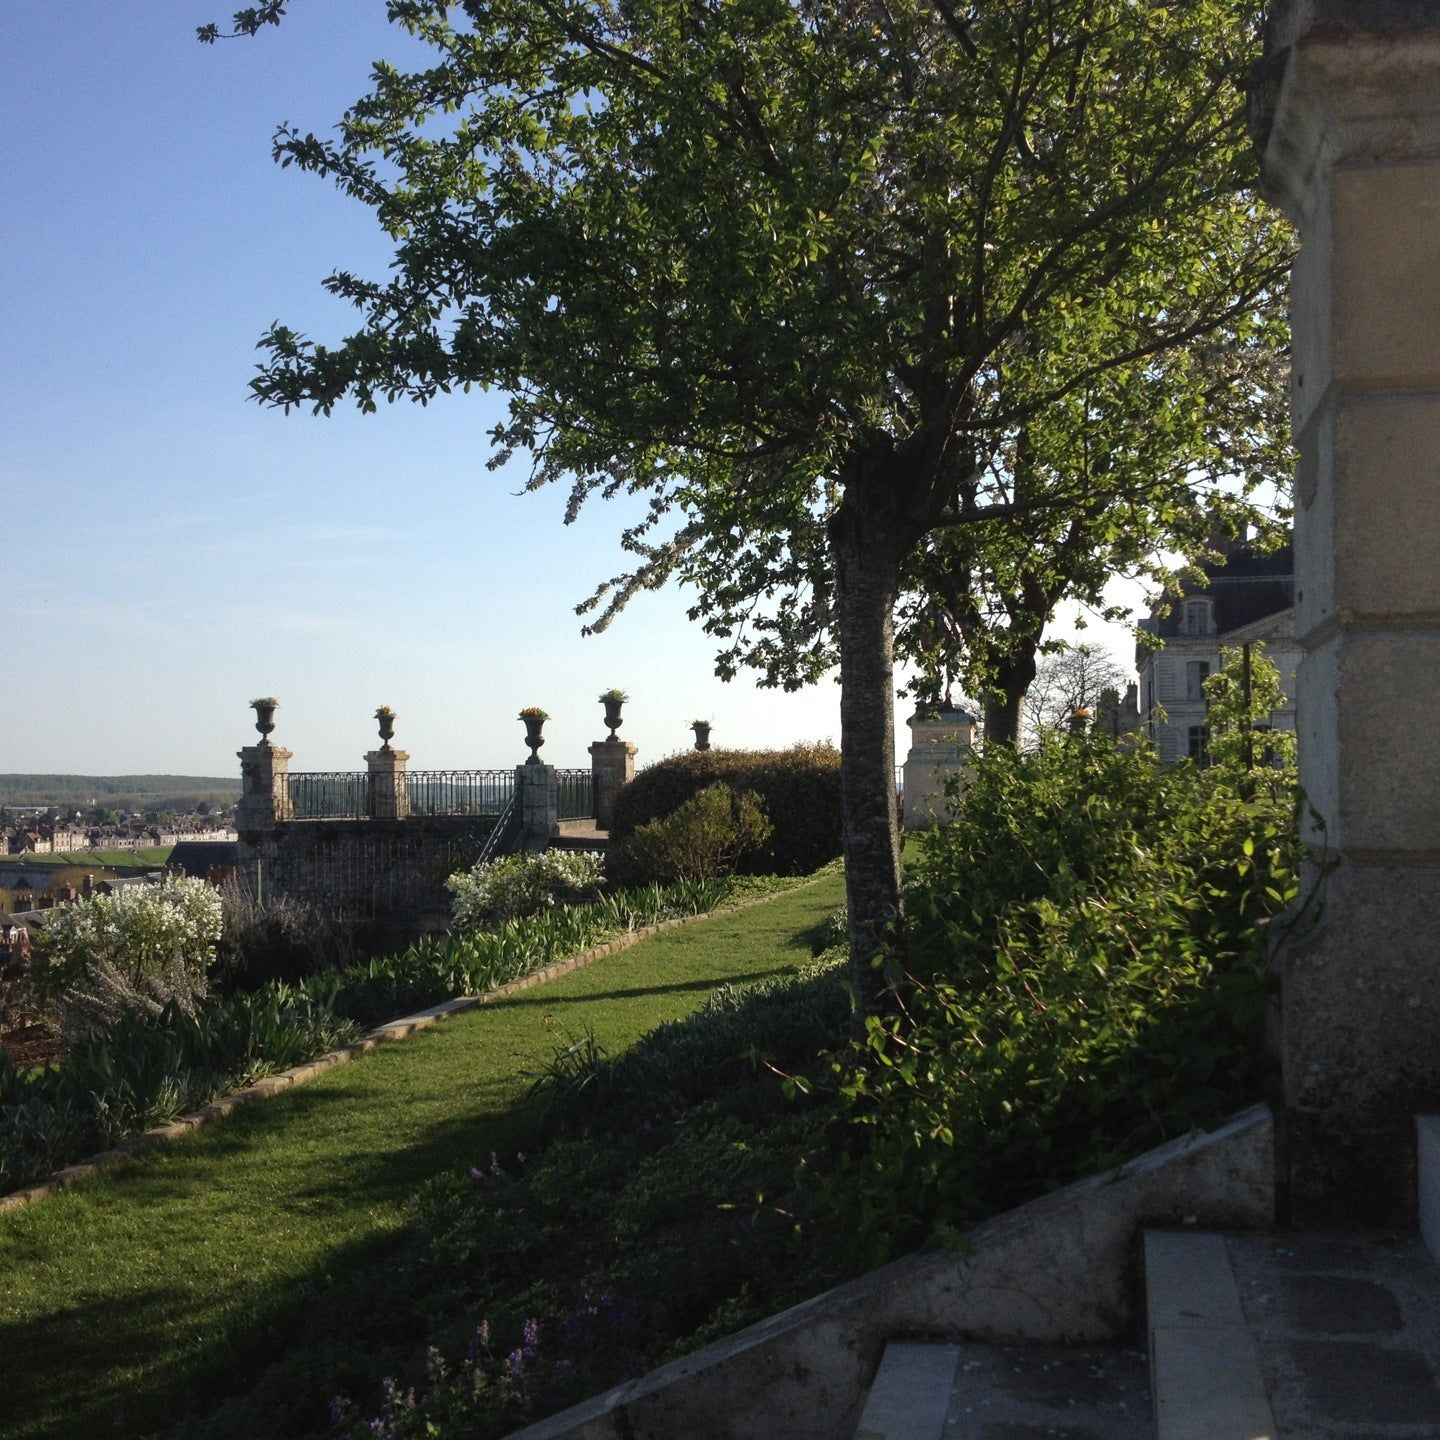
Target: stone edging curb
(399, 1029)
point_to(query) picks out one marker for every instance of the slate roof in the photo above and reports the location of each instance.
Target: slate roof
(1246, 586)
(199, 857)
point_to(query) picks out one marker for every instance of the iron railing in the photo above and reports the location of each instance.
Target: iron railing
(327, 795)
(459, 792)
(899, 779)
(347, 794)
(576, 794)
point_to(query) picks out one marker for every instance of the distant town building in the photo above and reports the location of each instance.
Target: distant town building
(1248, 596)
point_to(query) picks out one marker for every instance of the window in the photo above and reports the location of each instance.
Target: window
(1197, 617)
(1200, 744)
(1197, 672)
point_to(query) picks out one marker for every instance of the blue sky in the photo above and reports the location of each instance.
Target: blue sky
(172, 549)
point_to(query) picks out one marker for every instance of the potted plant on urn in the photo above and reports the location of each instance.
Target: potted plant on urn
(386, 716)
(265, 709)
(534, 718)
(613, 700)
(702, 733)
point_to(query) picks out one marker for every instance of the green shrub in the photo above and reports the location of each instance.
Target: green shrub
(1085, 980)
(519, 885)
(786, 1021)
(279, 938)
(799, 789)
(702, 839)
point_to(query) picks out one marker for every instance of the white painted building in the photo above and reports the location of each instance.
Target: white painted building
(1248, 597)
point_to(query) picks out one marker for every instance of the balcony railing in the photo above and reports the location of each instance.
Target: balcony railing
(347, 794)
(459, 792)
(327, 795)
(576, 794)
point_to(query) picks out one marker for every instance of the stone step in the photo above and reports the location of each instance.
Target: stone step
(1427, 1155)
(1347, 1328)
(910, 1395)
(1204, 1369)
(1044, 1392)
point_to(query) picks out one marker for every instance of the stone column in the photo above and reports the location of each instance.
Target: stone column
(539, 795)
(939, 742)
(612, 765)
(265, 797)
(1346, 110)
(389, 796)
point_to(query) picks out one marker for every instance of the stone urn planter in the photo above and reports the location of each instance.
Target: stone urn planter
(265, 715)
(613, 701)
(534, 718)
(386, 716)
(702, 734)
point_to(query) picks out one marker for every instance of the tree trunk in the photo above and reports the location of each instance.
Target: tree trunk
(1013, 677)
(867, 582)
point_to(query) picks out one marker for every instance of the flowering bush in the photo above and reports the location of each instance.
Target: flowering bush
(520, 885)
(133, 952)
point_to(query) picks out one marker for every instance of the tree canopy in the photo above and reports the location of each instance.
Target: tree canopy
(812, 276)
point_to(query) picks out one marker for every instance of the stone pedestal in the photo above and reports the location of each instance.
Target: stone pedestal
(265, 797)
(1347, 112)
(536, 786)
(612, 765)
(389, 795)
(940, 741)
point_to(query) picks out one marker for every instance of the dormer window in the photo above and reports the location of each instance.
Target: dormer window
(1198, 617)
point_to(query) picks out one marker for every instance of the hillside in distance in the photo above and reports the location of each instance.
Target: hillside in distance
(119, 792)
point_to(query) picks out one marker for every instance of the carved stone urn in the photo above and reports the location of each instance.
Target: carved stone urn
(613, 701)
(534, 718)
(265, 716)
(386, 716)
(702, 734)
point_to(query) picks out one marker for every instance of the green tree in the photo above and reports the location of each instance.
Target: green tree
(1240, 711)
(800, 272)
(1115, 479)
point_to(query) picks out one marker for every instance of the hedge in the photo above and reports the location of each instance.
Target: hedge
(800, 788)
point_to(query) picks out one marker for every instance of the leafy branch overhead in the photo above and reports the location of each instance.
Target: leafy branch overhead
(720, 253)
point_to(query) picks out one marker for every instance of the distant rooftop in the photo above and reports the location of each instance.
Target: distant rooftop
(1246, 585)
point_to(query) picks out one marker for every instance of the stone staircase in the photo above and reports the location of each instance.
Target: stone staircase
(1250, 1336)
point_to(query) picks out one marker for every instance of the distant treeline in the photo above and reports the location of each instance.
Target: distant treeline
(119, 792)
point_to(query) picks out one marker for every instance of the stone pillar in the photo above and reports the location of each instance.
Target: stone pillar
(939, 742)
(1346, 110)
(389, 796)
(539, 796)
(612, 765)
(266, 796)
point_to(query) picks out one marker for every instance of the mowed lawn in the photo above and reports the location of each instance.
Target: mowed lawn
(159, 1290)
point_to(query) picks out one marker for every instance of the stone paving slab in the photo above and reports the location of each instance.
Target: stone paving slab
(1051, 1393)
(1348, 1333)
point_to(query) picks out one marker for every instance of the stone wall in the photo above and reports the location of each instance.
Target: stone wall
(388, 875)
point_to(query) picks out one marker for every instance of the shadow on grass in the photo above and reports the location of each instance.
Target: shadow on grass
(542, 1002)
(133, 1363)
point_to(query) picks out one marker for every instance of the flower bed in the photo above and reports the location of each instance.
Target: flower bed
(147, 1068)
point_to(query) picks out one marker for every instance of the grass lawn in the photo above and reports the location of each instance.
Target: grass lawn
(146, 855)
(156, 1292)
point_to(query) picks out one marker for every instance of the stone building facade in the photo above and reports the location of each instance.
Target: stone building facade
(1247, 597)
